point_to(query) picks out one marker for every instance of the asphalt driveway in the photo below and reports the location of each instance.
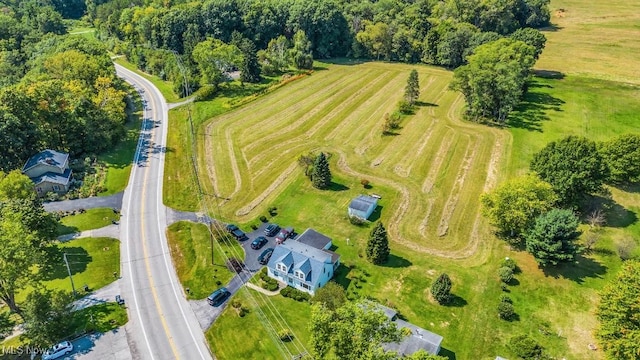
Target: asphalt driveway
(251, 255)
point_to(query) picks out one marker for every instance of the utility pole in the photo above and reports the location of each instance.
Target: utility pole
(69, 271)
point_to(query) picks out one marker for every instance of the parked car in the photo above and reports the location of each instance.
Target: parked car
(218, 297)
(272, 229)
(283, 235)
(259, 242)
(236, 232)
(265, 256)
(58, 351)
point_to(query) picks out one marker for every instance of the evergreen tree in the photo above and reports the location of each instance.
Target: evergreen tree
(441, 289)
(321, 175)
(249, 67)
(551, 240)
(412, 90)
(378, 245)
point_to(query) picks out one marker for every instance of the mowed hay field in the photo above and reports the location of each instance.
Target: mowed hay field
(594, 38)
(434, 167)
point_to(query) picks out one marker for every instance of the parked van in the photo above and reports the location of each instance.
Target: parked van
(218, 297)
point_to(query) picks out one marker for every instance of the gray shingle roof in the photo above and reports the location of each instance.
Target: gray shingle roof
(314, 238)
(362, 202)
(298, 253)
(47, 156)
(62, 179)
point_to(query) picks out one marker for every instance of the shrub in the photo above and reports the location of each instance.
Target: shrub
(505, 274)
(236, 304)
(205, 93)
(505, 310)
(365, 183)
(357, 221)
(295, 294)
(272, 286)
(405, 107)
(508, 262)
(285, 335)
(525, 347)
(254, 226)
(263, 219)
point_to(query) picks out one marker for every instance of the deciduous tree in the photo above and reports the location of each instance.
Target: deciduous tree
(354, 331)
(300, 54)
(573, 166)
(321, 174)
(513, 206)
(47, 317)
(622, 156)
(378, 245)
(493, 80)
(332, 296)
(619, 314)
(551, 240)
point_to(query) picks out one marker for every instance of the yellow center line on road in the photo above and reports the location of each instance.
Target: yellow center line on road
(144, 248)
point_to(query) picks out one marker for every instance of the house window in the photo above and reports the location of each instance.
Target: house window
(306, 286)
(281, 267)
(275, 273)
(55, 187)
(300, 275)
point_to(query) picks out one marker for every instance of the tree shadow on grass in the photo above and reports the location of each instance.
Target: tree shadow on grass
(577, 271)
(615, 214)
(548, 74)
(55, 268)
(424, 103)
(395, 261)
(533, 108)
(456, 301)
(341, 275)
(64, 229)
(337, 187)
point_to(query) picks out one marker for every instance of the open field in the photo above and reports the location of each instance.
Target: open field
(594, 38)
(434, 168)
(430, 176)
(191, 253)
(89, 220)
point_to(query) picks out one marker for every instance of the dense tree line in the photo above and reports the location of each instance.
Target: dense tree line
(439, 33)
(56, 91)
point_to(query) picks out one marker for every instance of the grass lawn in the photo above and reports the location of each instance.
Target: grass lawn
(235, 337)
(90, 219)
(92, 262)
(101, 318)
(165, 87)
(191, 252)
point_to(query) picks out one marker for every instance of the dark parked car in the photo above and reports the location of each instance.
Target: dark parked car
(272, 229)
(283, 235)
(259, 242)
(218, 297)
(265, 256)
(236, 232)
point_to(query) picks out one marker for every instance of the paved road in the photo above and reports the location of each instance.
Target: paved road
(113, 201)
(161, 324)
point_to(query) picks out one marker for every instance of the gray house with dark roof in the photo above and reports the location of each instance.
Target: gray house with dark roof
(49, 171)
(362, 206)
(418, 339)
(305, 263)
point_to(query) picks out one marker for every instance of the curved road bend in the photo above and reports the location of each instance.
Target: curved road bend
(161, 323)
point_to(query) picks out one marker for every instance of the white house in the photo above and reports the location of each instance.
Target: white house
(49, 171)
(362, 206)
(301, 265)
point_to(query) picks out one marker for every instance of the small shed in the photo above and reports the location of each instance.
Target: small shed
(362, 206)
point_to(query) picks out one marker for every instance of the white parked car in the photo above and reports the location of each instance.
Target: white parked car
(58, 351)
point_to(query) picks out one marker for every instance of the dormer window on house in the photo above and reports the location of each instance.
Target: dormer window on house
(281, 267)
(300, 275)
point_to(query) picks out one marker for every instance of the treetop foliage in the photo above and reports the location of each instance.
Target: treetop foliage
(551, 239)
(619, 314)
(378, 245)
